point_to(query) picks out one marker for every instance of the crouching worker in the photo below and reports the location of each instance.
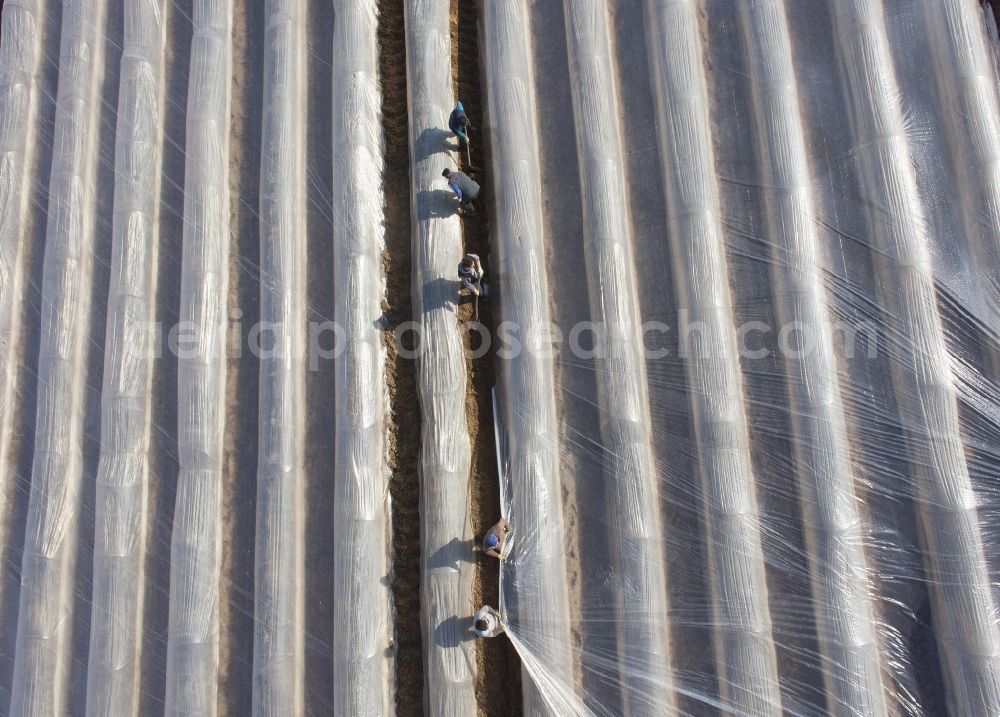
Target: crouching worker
(470, 272)
(486, 623)
(465, 189)
(493, 542)
(459, 123)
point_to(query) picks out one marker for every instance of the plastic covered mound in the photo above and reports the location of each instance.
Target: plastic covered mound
(768, 469)
(744, 259)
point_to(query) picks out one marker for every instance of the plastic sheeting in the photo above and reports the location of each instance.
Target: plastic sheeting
(846, 627)
(782, 214)
(126, 397)
(530, 429)
(757, 474)
(363, 627)
(20, 65)
(41, 676)
(196, 538)
(279, 600)
(445, 452)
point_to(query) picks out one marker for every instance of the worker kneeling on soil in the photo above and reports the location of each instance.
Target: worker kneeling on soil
(493, 542)
(470, 272)
(465, 189)
(487, 623)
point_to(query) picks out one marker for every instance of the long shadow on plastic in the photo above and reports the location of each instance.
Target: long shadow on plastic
(452, 554)
(453, 632)
(435, 204)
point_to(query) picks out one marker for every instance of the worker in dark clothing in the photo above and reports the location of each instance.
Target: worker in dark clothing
(459, 123)
(465, 189)
(470, 271)
(493, 542)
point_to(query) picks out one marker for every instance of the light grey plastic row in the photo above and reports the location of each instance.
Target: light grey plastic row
(843, 603)
(745, 653)
(196, 539)
(540, 605)
(445, 455)
(279, 556)
(363, 662)
(126, 398)
(958, 579)
(45, 621)
(967, 85)
(20, 65)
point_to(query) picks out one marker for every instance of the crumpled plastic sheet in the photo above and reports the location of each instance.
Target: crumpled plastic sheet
(751, 521)
(762, 525)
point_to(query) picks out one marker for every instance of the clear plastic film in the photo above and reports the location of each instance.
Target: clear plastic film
(745, 281)
(196, 538)
(20, 65)
(798, 236)
(21, 59)
(126, 397)
(529, 431)
(41, 678)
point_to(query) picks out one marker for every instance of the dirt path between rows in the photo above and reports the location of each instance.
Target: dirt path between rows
(498, 679)
(239, 488)
(403, 429)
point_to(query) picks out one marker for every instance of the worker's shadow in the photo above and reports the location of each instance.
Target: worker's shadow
(452, 554)
(440, 293)
(453, 631)
(436, 204)
(431, 141)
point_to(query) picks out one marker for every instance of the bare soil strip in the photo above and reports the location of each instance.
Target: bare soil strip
(239, 490)
(403, 439)
(498, 678)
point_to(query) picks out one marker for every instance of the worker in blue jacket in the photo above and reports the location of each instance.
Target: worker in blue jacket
(459, 123)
